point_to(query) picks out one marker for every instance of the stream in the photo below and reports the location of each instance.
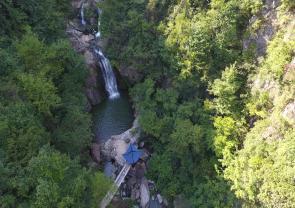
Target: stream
(114, 115)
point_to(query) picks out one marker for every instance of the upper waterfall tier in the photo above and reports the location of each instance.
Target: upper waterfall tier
(83, 22)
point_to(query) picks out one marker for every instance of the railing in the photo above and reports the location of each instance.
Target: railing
(114, 188)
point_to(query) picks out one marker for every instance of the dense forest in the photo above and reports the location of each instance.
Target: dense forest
(215, 103)
(44, 128)
(211, 109)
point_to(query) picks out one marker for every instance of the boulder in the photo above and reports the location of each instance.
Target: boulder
(117, 145)
(130, 74)
(94, 84)
(144, 193)
(91, 81)
(90, 59)
(265, 32)
(86, 39)
(140, 170)
(95, 152)
(289, 112)
(289, 72)
(76, 4)
(93, 96)
(110, 170)
(271, 133)
(266, 85)
(88, 106)
(160, 198)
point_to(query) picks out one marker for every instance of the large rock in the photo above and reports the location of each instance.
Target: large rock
(93, 87)
(90, 60)
(93, 96)
(271, 133)
(91, 80)
(266, 85)
(117, 145)
(80, 42)
(76, 4)
(109, 170)
(265, 32)
(289, 72)
(83, 43)
(289, 112)
(95, 152)
(144, 193)
(140, 170)
(130, 74)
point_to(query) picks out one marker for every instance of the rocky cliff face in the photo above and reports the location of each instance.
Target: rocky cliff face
(83, 41)
(275, 75)
(130, 74)
(82, 37)
(265, 25)
(117, 145)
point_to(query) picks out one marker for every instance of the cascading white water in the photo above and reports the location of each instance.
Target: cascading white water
(108, 75)
(98, 12)
(105, 65)
(83, 22)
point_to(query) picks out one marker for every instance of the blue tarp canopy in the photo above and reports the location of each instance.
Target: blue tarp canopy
(132, 154)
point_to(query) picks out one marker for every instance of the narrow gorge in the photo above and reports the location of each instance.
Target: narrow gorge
(113, 116)
(147, 103)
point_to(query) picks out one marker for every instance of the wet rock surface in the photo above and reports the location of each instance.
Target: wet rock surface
(141, 190)
(95, 152)
(144, 193)
(117, 145)
(82, 38)
(136, 186)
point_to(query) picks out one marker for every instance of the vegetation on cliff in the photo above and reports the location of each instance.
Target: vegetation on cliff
(212, 112)
(218, 119)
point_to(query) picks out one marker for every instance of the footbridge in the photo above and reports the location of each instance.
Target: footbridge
(114, 188)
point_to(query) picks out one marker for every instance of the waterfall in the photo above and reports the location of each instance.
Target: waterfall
(98, 12)
(105, 65)
(83, 22)
(108, 75)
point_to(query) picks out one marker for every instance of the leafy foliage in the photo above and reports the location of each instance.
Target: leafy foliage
(199, 103)
(44, 128)
(216, 118)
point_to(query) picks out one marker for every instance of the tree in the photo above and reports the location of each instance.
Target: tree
(21, 132)
(41, 92)
(226, 90)
(73, 134)
(58, 181)
(261, 171)
(42, 99)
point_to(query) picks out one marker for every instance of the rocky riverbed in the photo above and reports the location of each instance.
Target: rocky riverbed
(83, 40)
(136, 186)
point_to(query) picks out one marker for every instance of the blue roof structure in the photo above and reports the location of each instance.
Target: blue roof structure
(132, 154)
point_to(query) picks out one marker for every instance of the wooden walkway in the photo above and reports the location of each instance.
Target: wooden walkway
(119, 180)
